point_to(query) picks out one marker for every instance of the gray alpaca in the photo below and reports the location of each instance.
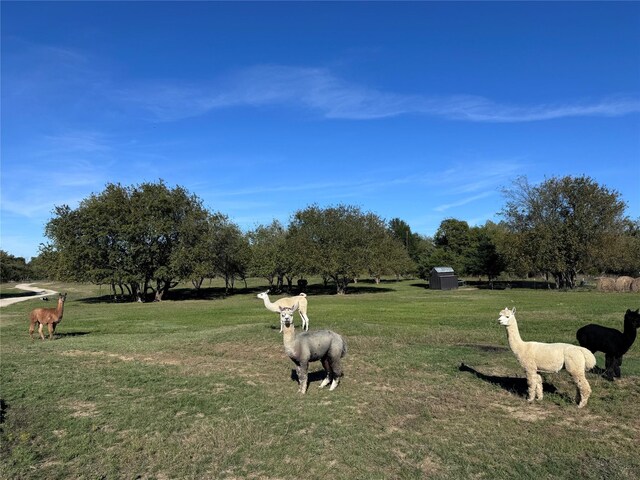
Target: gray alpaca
(323, 345)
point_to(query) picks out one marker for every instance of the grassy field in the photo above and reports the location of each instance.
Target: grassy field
(201, 388)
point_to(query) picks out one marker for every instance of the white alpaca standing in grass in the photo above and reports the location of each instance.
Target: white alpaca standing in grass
(288, 302)
(548, 358)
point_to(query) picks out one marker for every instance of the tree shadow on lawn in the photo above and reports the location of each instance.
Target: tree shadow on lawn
(363, 286)
(510, 384)
(18, 294)
(219, 293)
(505, 285)
(500, 284)
(177, 294)
(315, 289)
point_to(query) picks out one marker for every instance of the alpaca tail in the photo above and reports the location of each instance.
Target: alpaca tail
(302, 294)
(589, 358)
(344, 348)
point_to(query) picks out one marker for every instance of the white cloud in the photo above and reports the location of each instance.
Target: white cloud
(464, 201)
(319, 90)
(93, 85)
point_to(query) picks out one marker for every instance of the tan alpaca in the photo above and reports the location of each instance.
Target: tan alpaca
(50, 317)
(288, 302)
(548, 358)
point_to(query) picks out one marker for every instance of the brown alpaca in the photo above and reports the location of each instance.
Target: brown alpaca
(50, 317)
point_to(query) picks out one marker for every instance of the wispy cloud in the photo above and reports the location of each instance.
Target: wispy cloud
(480, 175)
(54, 169)
(464, 201)
(76, 142)
(81, 79)
(321, 91)
(464, 183)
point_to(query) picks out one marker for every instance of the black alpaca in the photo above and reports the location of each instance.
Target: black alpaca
(612, 342)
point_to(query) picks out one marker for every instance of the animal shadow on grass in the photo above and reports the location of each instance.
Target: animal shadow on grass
(70, 334)
(316, 376)
(3, 411)
(510, 384)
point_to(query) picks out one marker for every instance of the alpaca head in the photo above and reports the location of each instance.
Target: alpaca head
(286, 316)
(632, 317)
(507, 316)
(263, 295)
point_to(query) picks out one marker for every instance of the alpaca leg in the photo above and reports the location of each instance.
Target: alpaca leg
(32, 327)
(336, 373)
(532, 382)
(327, 370)
(609, 363)
(51, 328)
(305, 321)
(538, 387)
(40, 331)
(584, 390)
(574, 363)
(302, 377)
(616, 367)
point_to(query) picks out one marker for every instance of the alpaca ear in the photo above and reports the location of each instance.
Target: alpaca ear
(513, 310)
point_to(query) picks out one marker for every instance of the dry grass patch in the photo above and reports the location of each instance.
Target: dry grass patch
(81, 409)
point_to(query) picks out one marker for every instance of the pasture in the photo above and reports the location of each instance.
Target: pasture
(201, 388)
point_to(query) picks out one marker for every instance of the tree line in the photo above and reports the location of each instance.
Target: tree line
(142, 240)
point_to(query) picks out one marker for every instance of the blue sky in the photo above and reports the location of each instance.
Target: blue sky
(422, 111)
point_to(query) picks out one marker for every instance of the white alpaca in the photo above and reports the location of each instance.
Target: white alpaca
(548, 358)
(288, 302)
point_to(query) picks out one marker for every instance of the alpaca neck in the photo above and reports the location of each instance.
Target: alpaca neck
(268, 305)
(60, 309)
(630, 332)
(515, 342)
(289, 340)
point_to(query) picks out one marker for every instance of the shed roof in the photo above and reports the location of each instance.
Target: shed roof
(443, 269)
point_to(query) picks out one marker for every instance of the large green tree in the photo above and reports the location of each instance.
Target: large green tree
(272, 258)
(233, 255)
(13, 268)
(452, 243)
(129, 237)
(341, 243)
(412, 242)
(483, 256)
(563, 224)
(622, 255)
(197, 260)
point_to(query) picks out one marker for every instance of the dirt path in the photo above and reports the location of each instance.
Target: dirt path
(41, 292)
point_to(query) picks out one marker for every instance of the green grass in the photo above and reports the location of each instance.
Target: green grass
(202, 389)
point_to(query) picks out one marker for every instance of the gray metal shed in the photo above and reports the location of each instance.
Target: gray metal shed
(443, 278)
